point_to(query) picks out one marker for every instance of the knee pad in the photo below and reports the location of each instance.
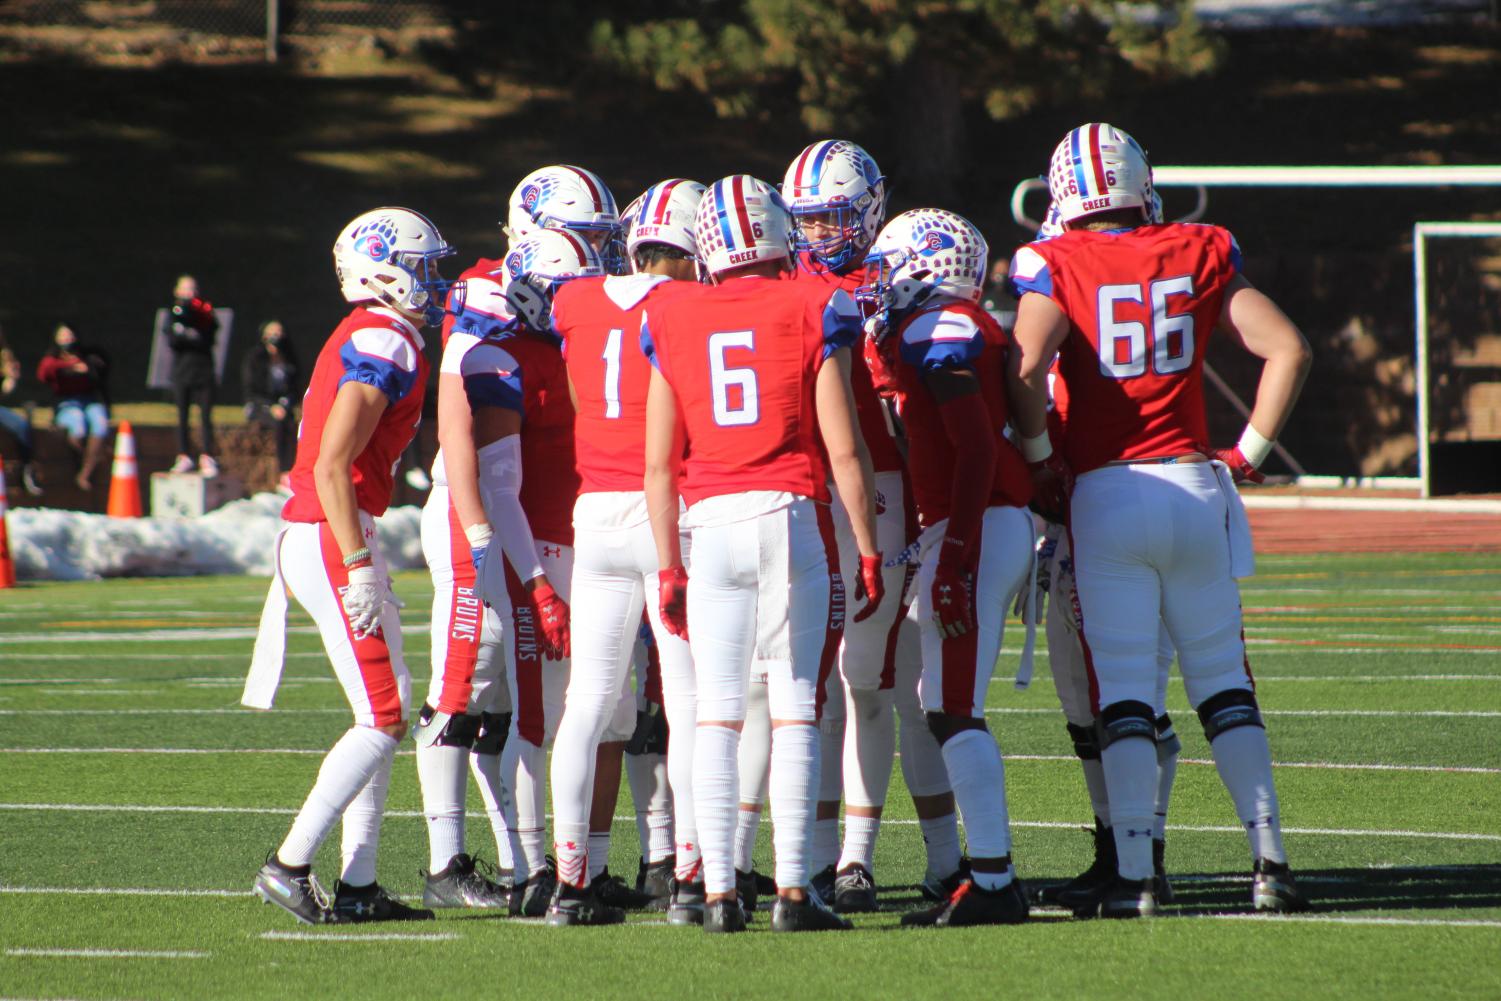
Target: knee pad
(945, 726)
(1125, 720)
(1086, 742)
(1229, 709)
(491, 736)
(1168, 743)
(459, 731)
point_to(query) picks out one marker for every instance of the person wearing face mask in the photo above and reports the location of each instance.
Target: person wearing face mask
(191, 331)
(271, 379)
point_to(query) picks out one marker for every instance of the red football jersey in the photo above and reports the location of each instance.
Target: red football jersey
(961, 336)
(1141, 305)
(742, 358)
(489, 274)
(549, 481)
(600, 322)
(379, 347)
(884, 455)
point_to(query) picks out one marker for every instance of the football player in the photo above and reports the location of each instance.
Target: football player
(570, 198)
(614, 557)
(362, 407)
(838, 199)
(1157, 527)
(750, 376)
(945, 357)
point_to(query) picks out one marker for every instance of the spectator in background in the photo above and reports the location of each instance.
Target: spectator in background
(270, 378)
(191, 331)
(78, 375)
(17, 424)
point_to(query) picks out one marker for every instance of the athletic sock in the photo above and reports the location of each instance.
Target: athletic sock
(979, 780)
(825, 838)
(859, 841)
(524, 764)
(1094, 781)
(747, 824)
(869, 747)
(599, 853)
(1244, 761)
(715, 778)
(500, 809)
(650, 791)
(794, 773)
(1167, 772)
(1131, 775)
(993, 880)
(345, 771)
(361, 835)
(940, 836)
(443, 774)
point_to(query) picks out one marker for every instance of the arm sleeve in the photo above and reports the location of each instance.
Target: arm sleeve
(500, 492)
(381, 358)
(941, 339)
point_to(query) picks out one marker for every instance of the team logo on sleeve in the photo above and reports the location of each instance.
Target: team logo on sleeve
(936, 241)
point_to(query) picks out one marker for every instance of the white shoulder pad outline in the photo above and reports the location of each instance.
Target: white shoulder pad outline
(386, 344)
(488, 358)
(843, 304)
(1027, 263)
(627, 291)
(941, 325)
(459, 344)
(487, 297)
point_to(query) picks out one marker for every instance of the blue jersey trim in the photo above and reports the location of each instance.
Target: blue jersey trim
(388, 377)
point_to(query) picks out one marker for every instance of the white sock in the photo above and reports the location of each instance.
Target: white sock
(922, 759)
(443, 774)
(824, 847)
(646, 775)
(1131, 775)
(715, 797)
(573, 769)
(345, 771)
(747, 823)
(1167, 772)
(1094, 781)
(993, 880)
(361, 835)
(940, 836)
(794, 772)
(524, 764)
(599, 854)
(869, 748)
(979, 780)
(830, 760)
(859, 841)
(500, 809)
(1244, 761)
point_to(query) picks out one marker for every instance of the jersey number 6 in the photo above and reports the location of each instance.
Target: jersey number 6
(1123, 343)
(729, 411)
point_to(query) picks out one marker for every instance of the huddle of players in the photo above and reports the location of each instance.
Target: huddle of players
(621, 439)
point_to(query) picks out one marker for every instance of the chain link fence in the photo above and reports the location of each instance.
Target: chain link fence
(207, 31)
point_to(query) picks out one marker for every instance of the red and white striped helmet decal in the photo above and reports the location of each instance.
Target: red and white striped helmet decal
(589, 183)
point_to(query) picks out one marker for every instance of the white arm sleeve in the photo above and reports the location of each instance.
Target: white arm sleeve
(500, 491)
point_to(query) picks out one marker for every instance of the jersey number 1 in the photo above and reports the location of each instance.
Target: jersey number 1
(1123, 343)
(728, 411)
(612, 374)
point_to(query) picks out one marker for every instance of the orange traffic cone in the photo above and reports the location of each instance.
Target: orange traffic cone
(7, 565)
(124, 483)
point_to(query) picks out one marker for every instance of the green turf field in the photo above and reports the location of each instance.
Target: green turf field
(138, 799)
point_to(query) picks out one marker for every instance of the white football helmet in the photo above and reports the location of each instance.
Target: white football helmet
(664, 213)
(921, 254)
(563, 197)
(836, 178)
(536, 265)
(1097, 168)
(390, 256)
(741, 220)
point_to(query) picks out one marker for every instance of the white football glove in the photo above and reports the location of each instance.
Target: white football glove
(363, 600)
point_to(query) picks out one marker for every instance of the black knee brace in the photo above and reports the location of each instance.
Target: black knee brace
(459, 731)
(943, 726)
(1168, 743)
(1124, 720)
(1227, 710)
(1086, 742)
(493, 728)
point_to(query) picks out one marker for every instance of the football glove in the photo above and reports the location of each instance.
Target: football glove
(1052, 482)
(672, 600)
(870, 588)
(552, 619)
(363, 600)
(1240, 467)
(953, 603)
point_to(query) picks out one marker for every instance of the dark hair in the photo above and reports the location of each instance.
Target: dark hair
(648, 254)
(1112, 219)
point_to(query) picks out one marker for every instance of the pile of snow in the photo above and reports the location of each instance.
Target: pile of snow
(49, 544)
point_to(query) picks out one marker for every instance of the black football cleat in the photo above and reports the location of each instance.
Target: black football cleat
(1160, 883)
(748, 885)
(655, 880)
(854, 890)
(1274, 890)
(686, 905)
(765, 885)
(723, 916)
(297, 893)
(464, 883)
(808, 914)
(572, 906)
(613, 891)
(822, 883)
(531, 899)
(1086, 887)
(1126, 898)
(970, 905)
(940, 888)
(357, 904)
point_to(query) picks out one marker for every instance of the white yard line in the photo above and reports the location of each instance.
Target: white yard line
(110, 953)
(313, 936)
(122, 891)
(1351, 919)
(224, 634)
(1441, 713)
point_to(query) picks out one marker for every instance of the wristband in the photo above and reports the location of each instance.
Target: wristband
(1037, 449)
(360, 555)
(1253, 446)
(478, 535)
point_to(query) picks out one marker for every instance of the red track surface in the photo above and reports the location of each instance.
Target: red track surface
(1374, 532)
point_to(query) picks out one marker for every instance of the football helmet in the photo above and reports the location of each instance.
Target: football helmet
(741, 220)
(536, 265)
(390, 256)
(921, 254)
(1097, 168)
(563, 196)
(664, 213)
(1051, 226)
(839, 180)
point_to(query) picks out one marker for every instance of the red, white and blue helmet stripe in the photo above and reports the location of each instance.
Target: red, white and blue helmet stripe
(836, 178)
(664, 213)
(1097, 168)
(741, 220)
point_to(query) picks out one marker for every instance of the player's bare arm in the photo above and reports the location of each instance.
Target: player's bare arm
(664, 439)
(351, 421)
(1040, 328)
(1264, 330)
(849, 459)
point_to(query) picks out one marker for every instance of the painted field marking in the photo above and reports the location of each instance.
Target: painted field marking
(115, 658)
(224, 634)
(1350, 919)
(123, 891)
(110, 953)
(313, 936)
(1438, 713)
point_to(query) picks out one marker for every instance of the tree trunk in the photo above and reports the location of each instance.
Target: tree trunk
(928, 120)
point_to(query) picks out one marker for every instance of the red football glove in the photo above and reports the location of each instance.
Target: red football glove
(552, 619)
(1240, 467)
(672, 599)
(1052, 482)
(871, 587)
(953, 605)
